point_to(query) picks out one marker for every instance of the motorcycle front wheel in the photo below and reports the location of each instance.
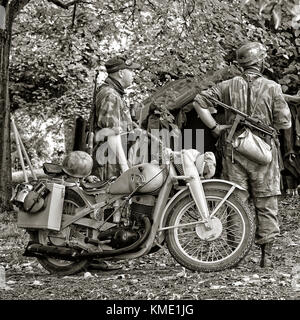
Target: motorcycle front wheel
(233, 235)
(46, 237)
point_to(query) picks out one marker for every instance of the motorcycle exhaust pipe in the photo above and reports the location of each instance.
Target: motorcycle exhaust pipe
(38, 250)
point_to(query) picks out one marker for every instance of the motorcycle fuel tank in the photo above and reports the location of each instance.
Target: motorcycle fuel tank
(149, 176)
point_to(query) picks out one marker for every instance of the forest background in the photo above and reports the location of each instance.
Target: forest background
(57, 46)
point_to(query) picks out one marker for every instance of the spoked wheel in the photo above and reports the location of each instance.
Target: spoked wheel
(224, 246)
(48, 237)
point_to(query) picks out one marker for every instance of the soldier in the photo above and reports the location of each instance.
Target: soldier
(112, 118)
(263, 99)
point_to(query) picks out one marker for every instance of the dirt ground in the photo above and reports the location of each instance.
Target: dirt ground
(157, 276)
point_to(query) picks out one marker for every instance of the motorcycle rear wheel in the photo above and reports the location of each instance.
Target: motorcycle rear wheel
(57, 266)
(232, 243)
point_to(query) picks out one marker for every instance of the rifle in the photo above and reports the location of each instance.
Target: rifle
(90, 141)
(244, 119)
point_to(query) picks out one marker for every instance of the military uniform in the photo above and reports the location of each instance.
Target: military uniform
(111, 112)
(262, 181)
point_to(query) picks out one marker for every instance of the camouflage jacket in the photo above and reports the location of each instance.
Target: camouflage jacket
(266, 99)
(111, 109)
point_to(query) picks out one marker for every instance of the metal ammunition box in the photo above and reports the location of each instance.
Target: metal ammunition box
(50, 216)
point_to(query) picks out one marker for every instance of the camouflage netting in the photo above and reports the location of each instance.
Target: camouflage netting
(170, 103)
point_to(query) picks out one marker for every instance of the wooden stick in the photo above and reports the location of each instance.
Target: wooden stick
(26, 156)
(19, 149)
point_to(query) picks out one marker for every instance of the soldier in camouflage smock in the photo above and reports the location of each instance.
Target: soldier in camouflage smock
(266, 102)
(112, 113)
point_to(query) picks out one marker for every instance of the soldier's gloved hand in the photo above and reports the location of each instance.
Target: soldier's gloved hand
(139, 131)
(219, 128)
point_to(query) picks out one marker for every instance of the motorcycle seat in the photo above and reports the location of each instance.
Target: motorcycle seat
(93, 185)
(99, 184)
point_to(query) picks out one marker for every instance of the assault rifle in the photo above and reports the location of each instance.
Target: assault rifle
(244, 119)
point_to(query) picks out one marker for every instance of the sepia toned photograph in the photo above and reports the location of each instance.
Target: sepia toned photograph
(149, 154)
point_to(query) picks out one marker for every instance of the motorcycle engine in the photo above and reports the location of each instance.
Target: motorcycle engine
(129, 231)
(142, 206)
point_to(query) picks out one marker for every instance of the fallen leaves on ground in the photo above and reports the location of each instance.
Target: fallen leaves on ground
(158, 276)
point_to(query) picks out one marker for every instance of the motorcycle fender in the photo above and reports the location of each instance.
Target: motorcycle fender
(173, 202)
(195, 184)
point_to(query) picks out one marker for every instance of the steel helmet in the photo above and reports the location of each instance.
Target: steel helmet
(78, 164)
(250, 53)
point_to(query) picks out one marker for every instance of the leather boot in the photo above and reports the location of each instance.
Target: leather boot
(266, 255)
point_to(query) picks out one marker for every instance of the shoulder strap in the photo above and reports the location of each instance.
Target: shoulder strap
(248, 97)
(249, 82)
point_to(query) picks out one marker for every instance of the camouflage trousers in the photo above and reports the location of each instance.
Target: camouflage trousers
(262, 183)
(105, 163)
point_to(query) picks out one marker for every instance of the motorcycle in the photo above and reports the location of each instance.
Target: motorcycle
(72, 222)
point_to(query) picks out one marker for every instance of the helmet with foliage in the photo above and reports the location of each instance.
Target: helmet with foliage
(78, 164)
(250, 53)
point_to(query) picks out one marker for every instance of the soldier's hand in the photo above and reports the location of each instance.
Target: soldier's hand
(138, 131)
(219, 128)
(292, 98)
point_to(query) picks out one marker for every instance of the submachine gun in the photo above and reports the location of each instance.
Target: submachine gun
(244, 119)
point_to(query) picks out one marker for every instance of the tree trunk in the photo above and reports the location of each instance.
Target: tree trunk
(5, 160)
(9, 10)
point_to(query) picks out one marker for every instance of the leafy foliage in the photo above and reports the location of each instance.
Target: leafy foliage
(276, 9)
(55, 52)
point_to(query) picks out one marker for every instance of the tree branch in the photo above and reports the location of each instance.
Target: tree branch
(151, 5)
(74, 15)
(65, 5)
